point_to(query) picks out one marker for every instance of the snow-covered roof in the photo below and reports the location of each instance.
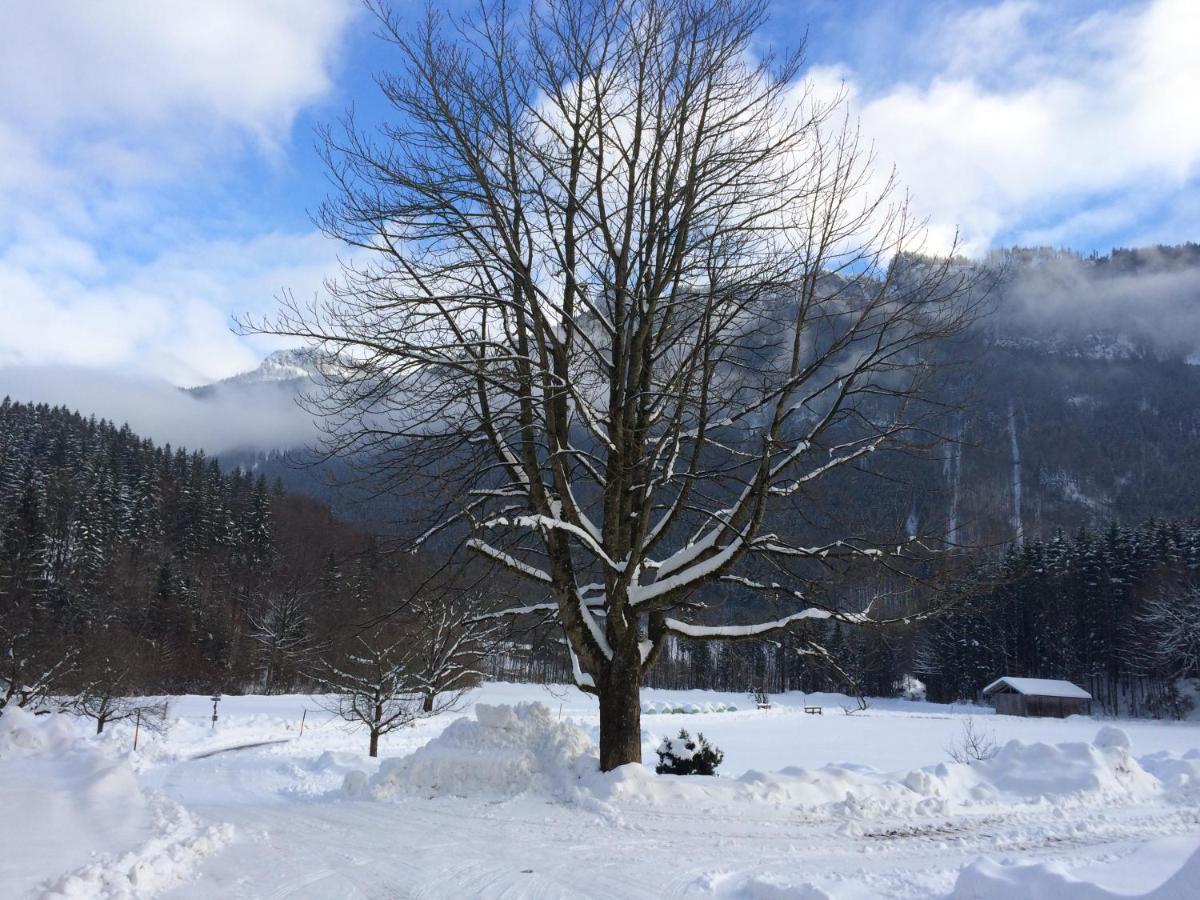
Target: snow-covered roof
(1041, 687)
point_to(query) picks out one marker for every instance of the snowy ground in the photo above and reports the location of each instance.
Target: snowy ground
(507, 804)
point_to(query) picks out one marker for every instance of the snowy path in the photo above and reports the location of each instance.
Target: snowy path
(443, 848)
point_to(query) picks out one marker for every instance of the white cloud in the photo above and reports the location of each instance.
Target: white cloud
(1034, 122)
(245, 64)
(169, 317)
(109, 113)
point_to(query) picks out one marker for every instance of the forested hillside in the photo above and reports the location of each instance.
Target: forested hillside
(1078, 397)
(151, 566)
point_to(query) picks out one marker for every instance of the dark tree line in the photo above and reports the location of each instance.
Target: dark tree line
(1111, 610)
(127, 568)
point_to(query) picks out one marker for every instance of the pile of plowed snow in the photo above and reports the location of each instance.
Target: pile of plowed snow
(508, 750)
(1177, 772)
(503, 751)
(1020, 774)
(24, 734)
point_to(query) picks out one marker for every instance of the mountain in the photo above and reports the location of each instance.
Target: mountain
(1079, 407)
(285, 370)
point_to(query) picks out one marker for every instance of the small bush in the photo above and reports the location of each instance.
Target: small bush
(973, 744)
(684, 756)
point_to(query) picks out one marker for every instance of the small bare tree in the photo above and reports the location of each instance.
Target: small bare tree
(372, 684)
(32, 668)
(100, 701)
(974, 744)
(627, 298)
(449, 642)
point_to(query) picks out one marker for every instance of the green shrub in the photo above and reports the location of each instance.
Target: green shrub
(684, 756)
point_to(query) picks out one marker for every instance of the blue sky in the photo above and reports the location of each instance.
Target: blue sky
(157, 159)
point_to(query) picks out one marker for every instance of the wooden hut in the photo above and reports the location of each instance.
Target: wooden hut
(1037, 697)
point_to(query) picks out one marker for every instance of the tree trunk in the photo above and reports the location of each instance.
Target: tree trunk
(374, 742)
(427, 703)
(99, 724)
(621, 717)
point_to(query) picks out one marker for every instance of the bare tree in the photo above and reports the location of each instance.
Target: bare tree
(100, 701)
(110, 674)
(31, 669)
(973, 744)
(448, 643)
(283, 632)
(372, 684)
(1171, 622)
(623, 296)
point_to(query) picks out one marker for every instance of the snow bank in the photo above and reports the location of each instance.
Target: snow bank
(503, 751)
(1102, 770)
(22, 734)
(90, 811)
(1176, 772)
(739, 886)
(163, 861)
(990, 880)
(1020, 774)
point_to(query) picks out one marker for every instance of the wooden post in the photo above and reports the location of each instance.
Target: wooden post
(137, 726)
(302, 718)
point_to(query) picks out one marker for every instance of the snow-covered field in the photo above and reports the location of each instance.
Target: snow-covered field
(500, 802)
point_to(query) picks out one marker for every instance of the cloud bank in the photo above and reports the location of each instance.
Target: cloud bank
(122, 130)
(1038, 123)
(257, 418)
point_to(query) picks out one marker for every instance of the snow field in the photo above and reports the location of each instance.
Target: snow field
(504, 799)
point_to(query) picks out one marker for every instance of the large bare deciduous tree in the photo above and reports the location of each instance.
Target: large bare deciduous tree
(621, 296)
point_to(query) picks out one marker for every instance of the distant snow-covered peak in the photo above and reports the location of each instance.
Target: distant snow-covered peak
(282, 365)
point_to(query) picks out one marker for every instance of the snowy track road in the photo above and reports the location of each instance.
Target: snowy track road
(530, 848)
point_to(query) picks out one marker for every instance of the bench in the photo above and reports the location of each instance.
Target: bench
(814, 710)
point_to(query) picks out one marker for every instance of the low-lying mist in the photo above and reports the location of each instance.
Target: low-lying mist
(255, 417)
(1150, 296)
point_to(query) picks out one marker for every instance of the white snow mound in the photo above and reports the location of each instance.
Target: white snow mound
(162, 862)
(1102, 770)
(23, 734)
(987, 879)
(503, 751)
(1069, 774)
(1177, 772)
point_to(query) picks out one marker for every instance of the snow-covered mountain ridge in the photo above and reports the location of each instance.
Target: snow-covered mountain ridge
(282, 365)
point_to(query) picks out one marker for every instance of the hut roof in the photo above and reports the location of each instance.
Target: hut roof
(1040, 687)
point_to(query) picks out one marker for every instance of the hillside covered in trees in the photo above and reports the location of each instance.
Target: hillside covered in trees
(153, 570)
